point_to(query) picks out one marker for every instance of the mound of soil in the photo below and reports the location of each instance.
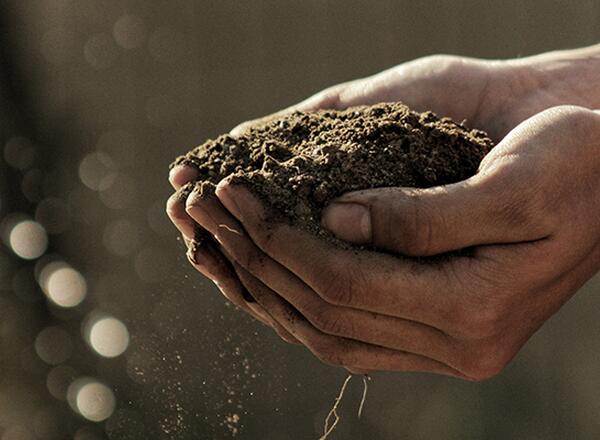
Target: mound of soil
(299, 162)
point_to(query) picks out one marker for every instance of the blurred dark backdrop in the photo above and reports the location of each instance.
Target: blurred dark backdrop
(105, 330)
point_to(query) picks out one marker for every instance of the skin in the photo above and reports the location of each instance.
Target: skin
(529, 215)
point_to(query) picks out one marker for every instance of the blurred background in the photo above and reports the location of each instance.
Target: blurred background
(107, 333)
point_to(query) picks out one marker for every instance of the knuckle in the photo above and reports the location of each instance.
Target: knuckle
(329, 321)
(254, 261)
(340, 287)
(264, 236)
(335, 292)
(416, 227)
(570, 115)
(329, 97)
(584, 122)
(450, 67)
(440, 59)
(248, 257)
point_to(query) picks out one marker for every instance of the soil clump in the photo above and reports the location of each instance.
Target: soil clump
(300, 162)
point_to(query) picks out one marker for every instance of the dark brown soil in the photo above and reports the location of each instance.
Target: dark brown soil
(298, 163)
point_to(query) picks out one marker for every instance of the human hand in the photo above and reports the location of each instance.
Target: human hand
(534, 238)
(427, 83)
(495, 95)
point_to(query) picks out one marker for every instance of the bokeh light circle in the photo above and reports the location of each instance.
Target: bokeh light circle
(108, 336)
(92, 399)
(28, 239)
(19, 152)
(129, 31)
(53, 345)
(97, 171)
(65, 286)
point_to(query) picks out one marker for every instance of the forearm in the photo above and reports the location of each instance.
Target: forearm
(570, 76)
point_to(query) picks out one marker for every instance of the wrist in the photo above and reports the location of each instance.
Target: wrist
(569, 77)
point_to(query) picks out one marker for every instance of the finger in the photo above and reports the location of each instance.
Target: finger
(338, 351)
(386, 331)
(179, 175)
(211, 262)
(425, 292)
(424, 222)
(207, 260)
(474, 356)
(474, 326)
(175, 209)
(251, 303)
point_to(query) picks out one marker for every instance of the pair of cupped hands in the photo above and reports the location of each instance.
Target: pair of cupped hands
(529, 216)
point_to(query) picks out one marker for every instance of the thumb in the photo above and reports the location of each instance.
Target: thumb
(512, 199)
(424, 222)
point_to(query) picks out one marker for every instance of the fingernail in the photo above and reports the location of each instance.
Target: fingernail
(181, 174)
(348, 221)
(194, 256)
(247, 296)
(202, 216)
(223, 191)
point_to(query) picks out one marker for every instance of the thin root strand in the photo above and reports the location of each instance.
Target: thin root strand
(329, 425)
(328, 429)
(366, 378)
(235, 231)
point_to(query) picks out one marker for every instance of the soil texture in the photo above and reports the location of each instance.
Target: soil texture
(299, 162)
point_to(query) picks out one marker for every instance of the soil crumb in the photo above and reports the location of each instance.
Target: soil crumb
(299, 162)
